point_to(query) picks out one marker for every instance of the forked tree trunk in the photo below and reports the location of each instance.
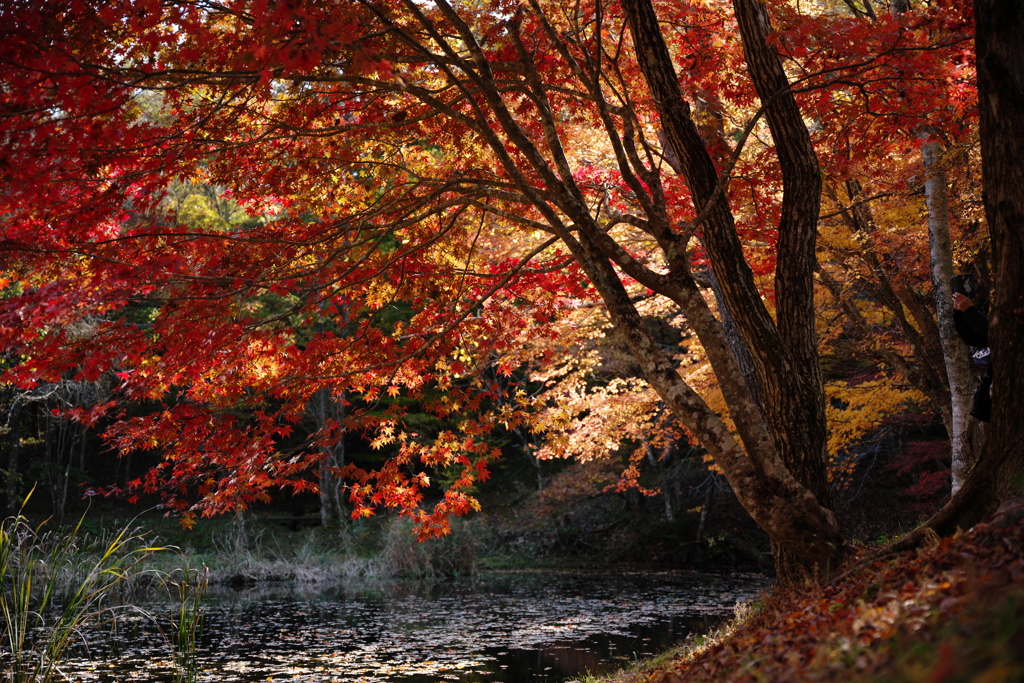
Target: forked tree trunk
(805, 533)
(778, 473)
(784, 354)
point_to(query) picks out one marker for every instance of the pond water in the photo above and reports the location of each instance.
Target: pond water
(516, 627)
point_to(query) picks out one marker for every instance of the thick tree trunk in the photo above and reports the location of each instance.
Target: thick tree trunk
(784, 354)
(736, 341)
(999, 42)
(798, 394)
(788, 511)
(778, 473)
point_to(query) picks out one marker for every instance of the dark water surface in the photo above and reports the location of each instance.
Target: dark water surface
(518, 627)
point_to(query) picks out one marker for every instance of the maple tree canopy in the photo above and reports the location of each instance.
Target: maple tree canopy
(231, 206)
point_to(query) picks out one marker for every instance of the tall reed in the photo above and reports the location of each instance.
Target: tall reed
(191, 584)
(51, 587)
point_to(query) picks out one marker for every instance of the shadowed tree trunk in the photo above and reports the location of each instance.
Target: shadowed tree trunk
(998, 477)
(328, 413)
(1000, 55)
(11, 473)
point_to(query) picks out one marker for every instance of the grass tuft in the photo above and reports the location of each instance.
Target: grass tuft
(57, 584)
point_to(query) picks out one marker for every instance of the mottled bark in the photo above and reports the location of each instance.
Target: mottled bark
(958, 379)
(958, 372)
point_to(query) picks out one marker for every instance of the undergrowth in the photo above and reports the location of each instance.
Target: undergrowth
(352, 553)
(56, 584)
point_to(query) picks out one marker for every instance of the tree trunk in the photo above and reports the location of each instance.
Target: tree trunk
(326, 411)
(787, 510)
(791, 466)
(241, 532)
(999, 474)
(1000, 59)
(11, 475)
(925, 368)
(958, 371)
(667, 479)
(736, 342)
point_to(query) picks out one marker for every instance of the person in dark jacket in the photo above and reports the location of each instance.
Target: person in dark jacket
(972, 326)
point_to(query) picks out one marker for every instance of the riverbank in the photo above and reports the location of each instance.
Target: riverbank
(259, 548)
(948, 613)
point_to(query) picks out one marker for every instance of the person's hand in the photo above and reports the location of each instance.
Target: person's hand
(961, 302)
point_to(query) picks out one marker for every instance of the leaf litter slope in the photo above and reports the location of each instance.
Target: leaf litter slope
(951, 612)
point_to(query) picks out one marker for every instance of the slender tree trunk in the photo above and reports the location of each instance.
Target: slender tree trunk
(56, 443)
(326, 411)
(241, 539)
(958, 370)
(705, 508)
(925, 368)
(529, 450)
(666, 479)
(83, 437)
(11, 476)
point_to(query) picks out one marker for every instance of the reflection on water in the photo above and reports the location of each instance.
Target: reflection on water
(507, 627)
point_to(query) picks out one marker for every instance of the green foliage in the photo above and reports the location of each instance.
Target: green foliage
(190, 584)
(55, 583)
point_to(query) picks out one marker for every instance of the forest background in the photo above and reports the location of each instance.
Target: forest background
(377, 252)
